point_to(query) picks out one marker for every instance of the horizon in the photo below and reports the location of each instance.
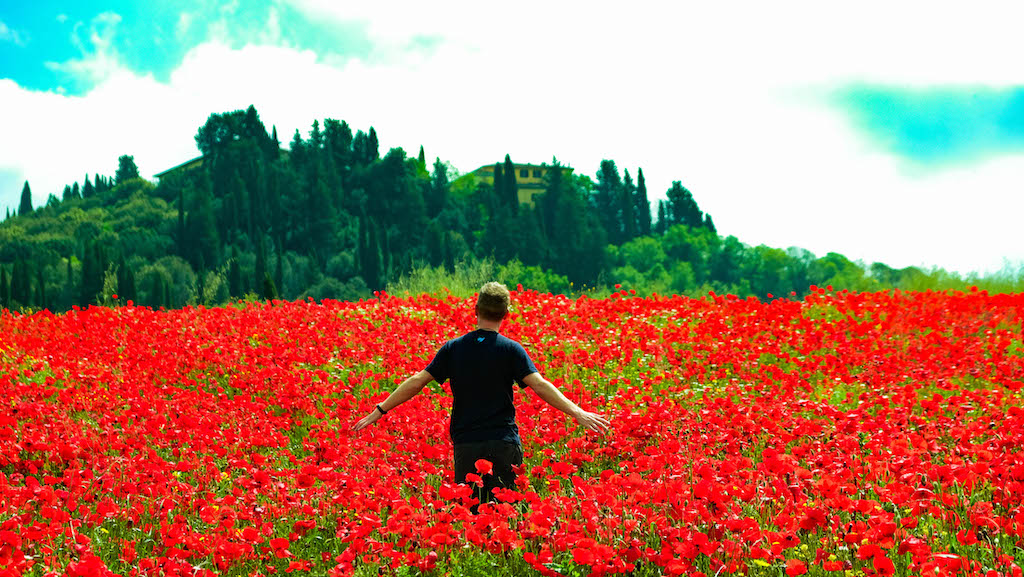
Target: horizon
(917, 141)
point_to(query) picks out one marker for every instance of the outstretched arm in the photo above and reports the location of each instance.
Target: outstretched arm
(555, 398)
(403, 393)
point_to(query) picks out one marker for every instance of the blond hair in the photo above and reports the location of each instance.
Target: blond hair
(492, 304)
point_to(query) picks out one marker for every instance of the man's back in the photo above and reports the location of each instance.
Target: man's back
(482, 366)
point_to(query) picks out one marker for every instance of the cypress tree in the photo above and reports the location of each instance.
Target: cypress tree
(130, 293)
(279, 271)
(66, 195)
(41, 300)
(125, 281)
(94, 267)
(234, 275)
(261, 268)
(156, 298)
(269, 290)
(551, 201)
(87, 189)
(5, 291)
(369, 253)
(709, 224)
(439, 186)
(201, 226)
(75, 191)
(422, 160)
(122, 278)
(372, 146)
(165, 294)
(182, 245)
(499, 181)
(643, 206)
(20, 286)
(69, 288)
(201, 286)
(662, 224)
(26, 200)
(510, 191)
(627, 203)
(607, 202)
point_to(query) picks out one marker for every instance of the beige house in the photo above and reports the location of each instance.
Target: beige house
(531, 179)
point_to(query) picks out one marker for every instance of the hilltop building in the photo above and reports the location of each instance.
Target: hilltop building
(183, 167)
(531, 179)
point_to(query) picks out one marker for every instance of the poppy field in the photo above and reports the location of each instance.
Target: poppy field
(843, 434)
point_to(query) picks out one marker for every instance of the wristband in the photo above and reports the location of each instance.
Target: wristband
(382, 411)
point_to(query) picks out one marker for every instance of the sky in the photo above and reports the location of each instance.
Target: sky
(887, 132)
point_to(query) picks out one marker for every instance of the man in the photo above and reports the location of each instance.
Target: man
(482, 366)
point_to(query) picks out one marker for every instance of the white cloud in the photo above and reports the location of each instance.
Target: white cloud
(725, 98)
(99, 57)
(183, 25)
(9, 35)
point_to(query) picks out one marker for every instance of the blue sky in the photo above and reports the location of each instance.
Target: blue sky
(795, 124)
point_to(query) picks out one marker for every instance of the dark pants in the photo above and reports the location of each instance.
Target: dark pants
(501, 454)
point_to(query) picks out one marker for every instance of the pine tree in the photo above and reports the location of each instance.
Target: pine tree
(26, 200)
(88, 191)
(510, 191)
(682, 208)
(66, 195)
(643, 206)
(75, 191)
(126, 169)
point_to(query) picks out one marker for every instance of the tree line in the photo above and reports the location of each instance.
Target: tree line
(330, 217)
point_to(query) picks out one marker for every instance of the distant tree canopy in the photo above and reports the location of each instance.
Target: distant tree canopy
(126, 170)
(332, 218)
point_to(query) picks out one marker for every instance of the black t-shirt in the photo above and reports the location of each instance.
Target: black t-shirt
(482, 366)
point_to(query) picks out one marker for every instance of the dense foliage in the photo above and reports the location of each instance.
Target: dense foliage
(875, 434)
(331, 218)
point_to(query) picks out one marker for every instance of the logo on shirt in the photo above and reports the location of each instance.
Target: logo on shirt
(479, 339)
